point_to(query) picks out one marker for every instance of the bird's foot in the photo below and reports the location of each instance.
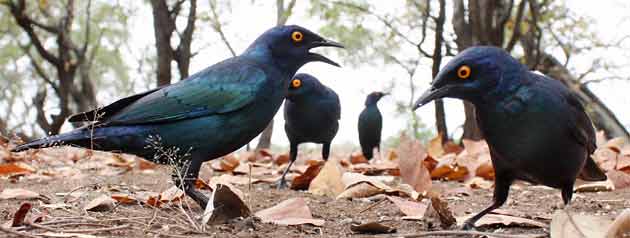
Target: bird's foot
(468, 226)
(281, 185)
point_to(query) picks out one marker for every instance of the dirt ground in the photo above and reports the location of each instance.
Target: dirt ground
(535, 202)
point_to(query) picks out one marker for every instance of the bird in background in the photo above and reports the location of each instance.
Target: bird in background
(311, 114)
(371, 125)
(208, 115)
(536, 129)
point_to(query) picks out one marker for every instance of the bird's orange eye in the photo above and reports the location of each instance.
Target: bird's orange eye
(297, 36)
(296, 83)
(463, 72)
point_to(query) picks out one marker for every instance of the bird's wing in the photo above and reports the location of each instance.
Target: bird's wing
(219, 89)
(103, 113)
(580, 125)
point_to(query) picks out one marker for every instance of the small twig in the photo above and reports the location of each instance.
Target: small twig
(373, 205)
(158, 233)
(80, 224)
(17, 233)
(95, 230)
(190, 220)
(577, 228)
(471, 233)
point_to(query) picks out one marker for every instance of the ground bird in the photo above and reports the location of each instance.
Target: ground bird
(536, 128)
(311, 114)
(205, 116)
(370, 125)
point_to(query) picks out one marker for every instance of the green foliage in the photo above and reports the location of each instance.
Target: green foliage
(107, 69)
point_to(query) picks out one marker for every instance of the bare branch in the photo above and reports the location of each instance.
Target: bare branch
(516, 33)
(382, 19)
(216, 25)
(88, 10)
(283, 13)
(26, 23)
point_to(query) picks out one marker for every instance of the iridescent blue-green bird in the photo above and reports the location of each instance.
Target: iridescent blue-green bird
(536, 129)
(311, 114)
(205, 116)
(370, 125)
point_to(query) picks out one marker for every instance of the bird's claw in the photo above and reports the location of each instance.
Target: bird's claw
(468, 226)
(282, 184)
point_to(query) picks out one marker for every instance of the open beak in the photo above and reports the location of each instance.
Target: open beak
(321, 58)
(432, 94)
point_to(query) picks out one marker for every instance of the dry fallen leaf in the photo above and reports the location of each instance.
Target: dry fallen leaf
(281, 159)
(293, 211)
(412, 170)
(377, 167)
(360, 190)
(20, 214)
(448, 169)
(224, 205)
(621, 226)
(149, 198)
(328, 181)
(478, 183)
(303, 181)
(605, 158)
(18, 193)
(172, 194)
(358, 158)
(623, 163)
(229, 162)
(372, 228)
(438, 210)
(100, 204)
(124, 198)
(145, 164)
(568, 225)
(615, 144)
(412, 210)
(15, 168)
(434, 147)
(200, 184)
(451, 147)
(619, 179)
(596, 186)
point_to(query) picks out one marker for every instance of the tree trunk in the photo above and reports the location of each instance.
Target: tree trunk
(163, 29)
(440, 115)
(265, 137)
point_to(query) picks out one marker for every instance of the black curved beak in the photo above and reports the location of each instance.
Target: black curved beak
(321, 58)
(432, 94)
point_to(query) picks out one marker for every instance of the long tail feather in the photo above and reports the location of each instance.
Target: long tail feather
(77, 137)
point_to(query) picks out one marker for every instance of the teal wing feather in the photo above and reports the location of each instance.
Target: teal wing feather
(219, 89)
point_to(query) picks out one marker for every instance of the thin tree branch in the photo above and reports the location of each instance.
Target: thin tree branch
(26, 23)
(216, 25)
(516, 33)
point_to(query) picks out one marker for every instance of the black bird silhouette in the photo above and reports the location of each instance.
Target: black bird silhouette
(208, 115)
(536, 128)
(311, 114)
(370, 125)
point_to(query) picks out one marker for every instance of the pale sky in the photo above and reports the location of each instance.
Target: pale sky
(250, 18)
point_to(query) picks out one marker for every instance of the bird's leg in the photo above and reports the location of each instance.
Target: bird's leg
(326, 151)
(567, 193)
(501, 190)
(185, 176)
(293, 150)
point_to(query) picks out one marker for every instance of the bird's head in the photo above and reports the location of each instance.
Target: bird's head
(289, 46)
(373, 98)
(473, 74)
(303, 84)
